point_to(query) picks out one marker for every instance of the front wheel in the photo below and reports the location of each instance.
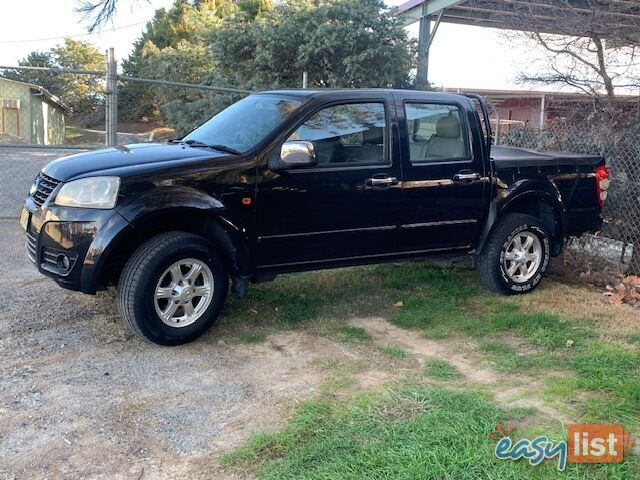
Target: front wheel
(172, 288)
(515, 256)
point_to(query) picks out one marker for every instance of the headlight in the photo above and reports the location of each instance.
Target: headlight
(92, 192)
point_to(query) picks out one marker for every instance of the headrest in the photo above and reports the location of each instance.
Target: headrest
(373, 136)
(448, 127)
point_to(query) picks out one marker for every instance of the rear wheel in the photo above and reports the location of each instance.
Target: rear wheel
(515, 256)
(172, 288)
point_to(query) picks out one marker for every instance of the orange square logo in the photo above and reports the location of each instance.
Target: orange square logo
(598, 443)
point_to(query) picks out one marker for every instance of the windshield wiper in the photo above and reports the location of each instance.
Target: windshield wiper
(223, 148)
(194, 143)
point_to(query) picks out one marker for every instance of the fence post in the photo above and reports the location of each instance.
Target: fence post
(111, 104)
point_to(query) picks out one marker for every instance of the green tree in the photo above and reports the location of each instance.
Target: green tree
(48, 80)
(340, 43)
(83, 93)
(252, 45)
(172, 48)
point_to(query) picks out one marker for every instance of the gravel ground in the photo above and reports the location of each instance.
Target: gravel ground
(81, 397)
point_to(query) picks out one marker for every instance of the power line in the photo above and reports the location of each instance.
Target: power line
(75, 36)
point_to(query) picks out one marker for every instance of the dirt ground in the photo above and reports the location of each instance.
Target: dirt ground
(82, 398)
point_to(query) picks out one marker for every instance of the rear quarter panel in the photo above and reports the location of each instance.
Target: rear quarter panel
(571, 189)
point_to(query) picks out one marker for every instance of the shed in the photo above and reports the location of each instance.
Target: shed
(30, 113)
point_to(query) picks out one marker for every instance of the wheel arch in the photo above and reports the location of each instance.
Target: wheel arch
(541, 200)
(226, 238)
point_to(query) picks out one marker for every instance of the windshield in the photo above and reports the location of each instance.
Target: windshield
(244, 124)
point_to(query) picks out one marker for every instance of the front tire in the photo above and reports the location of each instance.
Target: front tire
(172, 288)
(516, 255)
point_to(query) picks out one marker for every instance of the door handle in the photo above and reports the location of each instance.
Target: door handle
(382, 181)
(466, 177)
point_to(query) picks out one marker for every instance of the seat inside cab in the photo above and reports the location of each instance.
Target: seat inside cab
(435, 138)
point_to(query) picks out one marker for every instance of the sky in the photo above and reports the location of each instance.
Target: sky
(461, 56)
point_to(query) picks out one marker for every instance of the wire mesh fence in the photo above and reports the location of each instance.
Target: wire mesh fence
(38, 126)
(621, 148)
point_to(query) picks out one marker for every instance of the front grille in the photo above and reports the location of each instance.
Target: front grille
(44, 186)
(30, 244)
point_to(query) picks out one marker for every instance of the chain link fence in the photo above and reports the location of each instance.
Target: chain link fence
(616, 248)
(37, 126)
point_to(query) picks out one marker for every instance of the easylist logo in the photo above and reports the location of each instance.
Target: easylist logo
(598, 443)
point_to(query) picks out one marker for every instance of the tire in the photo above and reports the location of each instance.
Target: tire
(156, 266)
(502, 254)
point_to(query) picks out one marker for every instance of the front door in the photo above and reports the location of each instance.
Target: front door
(444, 177)
(347, 205)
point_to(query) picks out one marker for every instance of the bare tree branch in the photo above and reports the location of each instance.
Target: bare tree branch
(589, 46)
(98, 12)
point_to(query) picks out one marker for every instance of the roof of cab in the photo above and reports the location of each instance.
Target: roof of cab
(364, 92)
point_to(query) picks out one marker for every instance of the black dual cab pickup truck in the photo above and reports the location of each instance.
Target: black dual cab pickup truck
(285, 181)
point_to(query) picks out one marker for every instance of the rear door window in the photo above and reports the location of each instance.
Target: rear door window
(436, 133)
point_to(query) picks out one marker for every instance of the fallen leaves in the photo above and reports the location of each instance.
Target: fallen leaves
(626, 291)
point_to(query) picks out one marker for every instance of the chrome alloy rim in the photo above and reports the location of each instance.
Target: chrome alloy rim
(523, 257)
(184, 292)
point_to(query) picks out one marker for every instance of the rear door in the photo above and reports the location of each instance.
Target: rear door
(344, 207)
(445, 177)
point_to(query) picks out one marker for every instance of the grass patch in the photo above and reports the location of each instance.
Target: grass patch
(352, 334)
(245, 336)
(559, 389)
(614, 372)
(426, 433)
(436, 333)
(82, 136)
(334, 385)
(332, 364)
(441, 370)
(634, 338)
(448, 302)
(393, 351)
(430, 433)
(293, 301)
(507, 358)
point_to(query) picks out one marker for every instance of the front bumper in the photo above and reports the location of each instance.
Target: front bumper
(69, 244)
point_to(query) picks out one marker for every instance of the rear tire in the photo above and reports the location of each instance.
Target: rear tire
(516, 255)
(172, 288)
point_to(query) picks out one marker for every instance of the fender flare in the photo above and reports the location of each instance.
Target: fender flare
(219, 229)
(525, 189)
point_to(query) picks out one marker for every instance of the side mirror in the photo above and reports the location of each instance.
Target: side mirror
(294, 154)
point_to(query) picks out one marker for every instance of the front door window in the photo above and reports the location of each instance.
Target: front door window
(349, 134)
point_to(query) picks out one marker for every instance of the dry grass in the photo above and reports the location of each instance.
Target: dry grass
(583, 304)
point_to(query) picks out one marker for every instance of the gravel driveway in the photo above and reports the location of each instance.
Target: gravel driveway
(82, 398)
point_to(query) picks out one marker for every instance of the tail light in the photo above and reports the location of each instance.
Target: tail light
(602, 183)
